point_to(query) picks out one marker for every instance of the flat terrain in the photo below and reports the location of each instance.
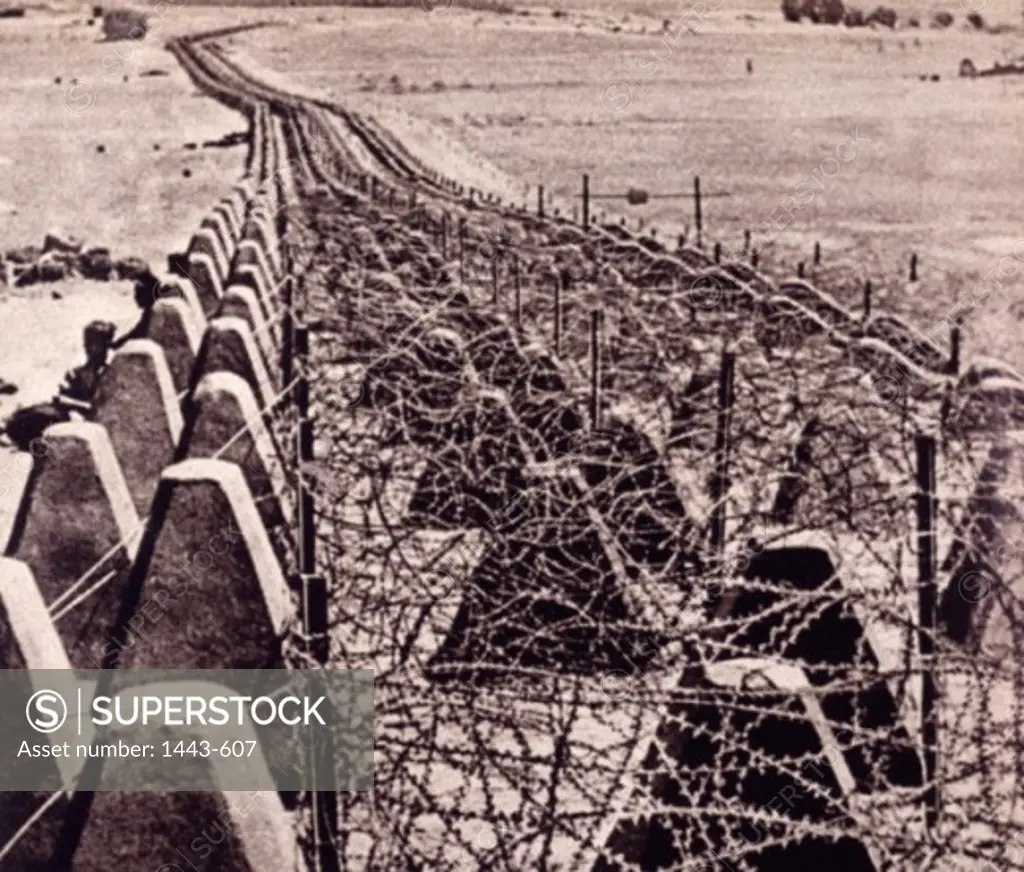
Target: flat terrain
(935, 170)
(130, 198)
(507, 102)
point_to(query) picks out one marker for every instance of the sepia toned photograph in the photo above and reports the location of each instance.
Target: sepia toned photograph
(622, 402)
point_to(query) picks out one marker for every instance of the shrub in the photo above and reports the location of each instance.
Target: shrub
(913, 22)
(976, 21)
(832, 12)
(942, 19)
(823, 11)
(884, 16)
(121, 24)
(791, 10)
(854, 17)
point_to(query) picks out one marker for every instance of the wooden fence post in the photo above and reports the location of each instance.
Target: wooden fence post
(558, 316)
(314, 600)
(867, 299)
(519, 291)
(586, 201)
(720, 480)
(596, 330)
(300, 393)
(462, 249)
(698, 217)
(926, 506)
(540, 201)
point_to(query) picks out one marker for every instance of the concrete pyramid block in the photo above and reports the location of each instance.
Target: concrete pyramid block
(77, 532)
(205, 276)
(226, 602)
(223, 406)
(173, 326)
(138, 404)
(230, 346)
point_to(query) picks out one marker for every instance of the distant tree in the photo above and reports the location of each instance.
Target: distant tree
(942, 19)
(121, 24)
(823, 11)
(976, 21)
(831, 11)
(854, 17)
(792, 10)
(884, 16)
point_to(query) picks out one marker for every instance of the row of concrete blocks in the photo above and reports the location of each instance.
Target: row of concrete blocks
(235, 256)
(218, 371)
(212, 593)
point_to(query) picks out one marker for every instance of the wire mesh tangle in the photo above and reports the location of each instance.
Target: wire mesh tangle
(635, 600)
(567, 675)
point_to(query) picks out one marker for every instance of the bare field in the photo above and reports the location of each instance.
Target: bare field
(504, 102)
(132, 197)
(934, 170)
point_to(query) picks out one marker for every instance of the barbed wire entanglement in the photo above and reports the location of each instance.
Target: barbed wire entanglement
(646, 552)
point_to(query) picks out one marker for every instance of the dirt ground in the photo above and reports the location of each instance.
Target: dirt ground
(505, 102)
(939, 172)
(535, 99)
(131, 198)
